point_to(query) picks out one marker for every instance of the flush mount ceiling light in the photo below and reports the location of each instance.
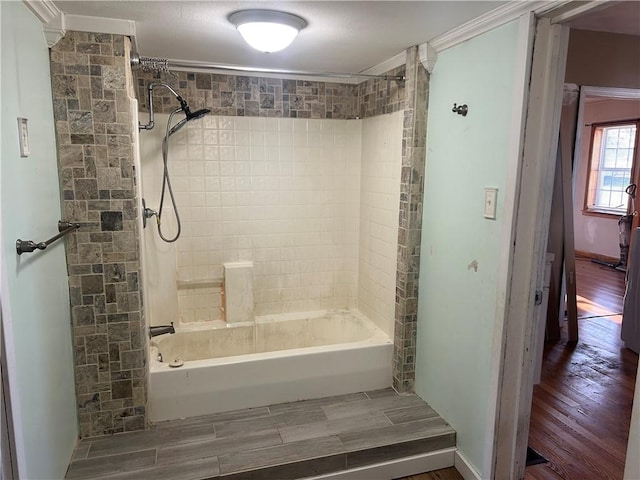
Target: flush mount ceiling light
(267, 30)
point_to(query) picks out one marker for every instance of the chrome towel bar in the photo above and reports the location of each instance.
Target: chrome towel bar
(27, 246)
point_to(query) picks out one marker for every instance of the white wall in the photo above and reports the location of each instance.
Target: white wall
(462, 284)
(598, 234)
(35, 307)
(379, 211)
(283, 193)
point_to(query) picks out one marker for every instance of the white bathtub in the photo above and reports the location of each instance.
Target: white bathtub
(275, 360)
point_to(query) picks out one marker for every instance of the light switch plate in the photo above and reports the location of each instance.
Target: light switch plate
(490, 200)
(23, 136)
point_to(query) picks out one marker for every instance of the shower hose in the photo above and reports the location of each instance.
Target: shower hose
(166, 184)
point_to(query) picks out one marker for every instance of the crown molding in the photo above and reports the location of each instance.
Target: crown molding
(572, 9)
(53, 34)
(490, 20)
(389, 64)
(45, 10)
(55, 22)
(52, 19)
(428, 56)
(115, 26)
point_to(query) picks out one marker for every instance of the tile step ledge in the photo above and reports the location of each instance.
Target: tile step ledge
(401, 467)
(378, 463)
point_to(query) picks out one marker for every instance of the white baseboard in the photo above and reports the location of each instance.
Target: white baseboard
(465, 468)
(396, 468)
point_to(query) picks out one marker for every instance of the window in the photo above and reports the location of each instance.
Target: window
(611, 165)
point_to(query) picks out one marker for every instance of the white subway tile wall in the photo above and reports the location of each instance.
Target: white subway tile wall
(282, 193)
(199, 303)
(379, 208)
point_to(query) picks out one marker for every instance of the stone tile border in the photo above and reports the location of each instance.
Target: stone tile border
(241, 95)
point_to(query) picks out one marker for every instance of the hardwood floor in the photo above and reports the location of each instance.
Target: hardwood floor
(582, 408)
(600, 290)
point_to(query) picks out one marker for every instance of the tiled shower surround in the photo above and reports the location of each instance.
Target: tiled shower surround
(312, 203)
(92, 108)
(94, 127)
(239, 96)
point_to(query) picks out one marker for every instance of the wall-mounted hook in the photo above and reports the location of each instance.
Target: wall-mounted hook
(460, 110)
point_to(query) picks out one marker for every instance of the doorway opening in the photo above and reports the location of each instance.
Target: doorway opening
(540, 153)
(581, 407)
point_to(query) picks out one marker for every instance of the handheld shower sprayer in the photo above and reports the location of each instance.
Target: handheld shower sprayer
(188, 113)
(166, 181)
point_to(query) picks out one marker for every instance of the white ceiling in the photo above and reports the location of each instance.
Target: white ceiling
(345, 37)
(342, 36)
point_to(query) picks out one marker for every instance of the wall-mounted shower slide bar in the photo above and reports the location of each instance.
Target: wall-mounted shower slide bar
(164, 65)
(27, 246)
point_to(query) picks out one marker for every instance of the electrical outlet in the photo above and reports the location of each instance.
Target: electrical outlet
(490, 200)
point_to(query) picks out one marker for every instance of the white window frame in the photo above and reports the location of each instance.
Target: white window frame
(595, 168)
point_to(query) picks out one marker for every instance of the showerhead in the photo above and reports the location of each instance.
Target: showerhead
(188, 114)
(197, 114)
(187, 111)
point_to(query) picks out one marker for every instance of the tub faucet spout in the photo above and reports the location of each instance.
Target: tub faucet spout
(161, 330)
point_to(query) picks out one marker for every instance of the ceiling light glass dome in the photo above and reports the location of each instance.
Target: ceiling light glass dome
(267, 30)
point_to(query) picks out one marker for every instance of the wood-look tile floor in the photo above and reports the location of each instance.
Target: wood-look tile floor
(444, 474)
(292, 440)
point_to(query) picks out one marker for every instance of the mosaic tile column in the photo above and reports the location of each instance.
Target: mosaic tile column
(92, 90)
(410, 222)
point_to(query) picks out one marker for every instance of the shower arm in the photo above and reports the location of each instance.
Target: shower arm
(150, 88)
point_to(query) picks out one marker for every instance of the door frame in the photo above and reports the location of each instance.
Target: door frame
(8, 469)
(531, 228)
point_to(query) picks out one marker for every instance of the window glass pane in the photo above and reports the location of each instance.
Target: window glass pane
(611, 166)
(620, 180)
(611, 186)
(611, 137)
(623, 159)
(610, 157)
(618, 200)
(625, 137)
(602, 198)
